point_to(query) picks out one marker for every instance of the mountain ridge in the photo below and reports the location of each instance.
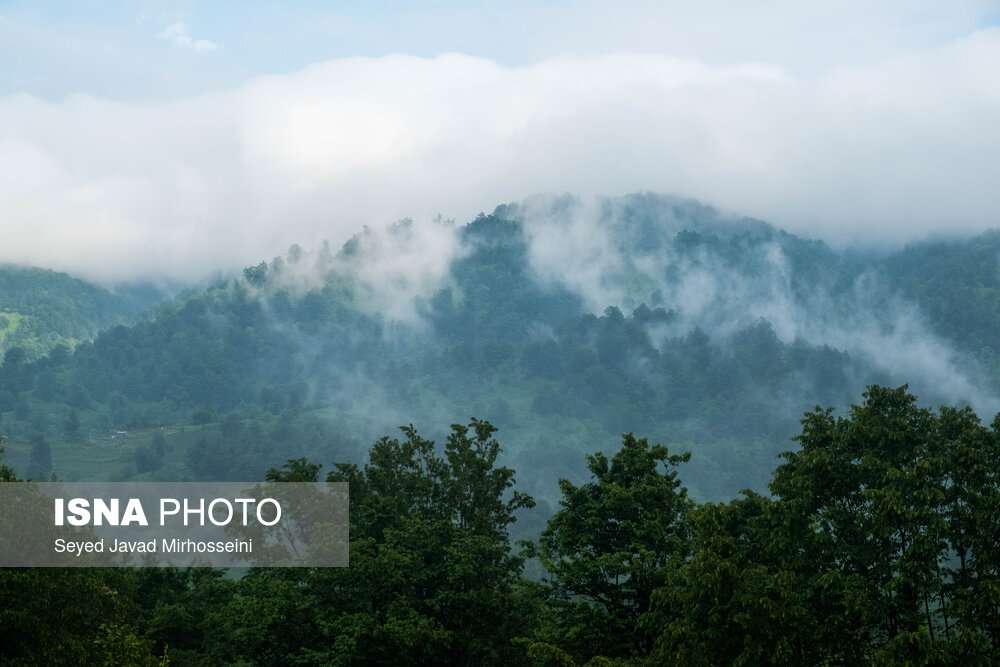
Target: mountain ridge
(561, 321)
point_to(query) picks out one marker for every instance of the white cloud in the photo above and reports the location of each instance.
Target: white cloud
(177, 33)
(883, 152)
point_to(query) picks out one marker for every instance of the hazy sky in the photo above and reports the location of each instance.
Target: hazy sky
(173, 138)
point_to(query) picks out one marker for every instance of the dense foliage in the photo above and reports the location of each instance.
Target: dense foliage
(698, 343)
(873, 543)
(41, 309)
(876, 547)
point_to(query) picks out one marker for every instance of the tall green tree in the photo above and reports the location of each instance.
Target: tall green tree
(742, 597)
(613, 542)
(69, 616)
(868, 489)
(432, 576)
(880, 547)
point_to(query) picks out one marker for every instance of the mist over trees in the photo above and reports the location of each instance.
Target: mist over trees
(564, 324)
(559, 320)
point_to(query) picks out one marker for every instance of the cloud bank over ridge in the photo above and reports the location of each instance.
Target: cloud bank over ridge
(117, 190)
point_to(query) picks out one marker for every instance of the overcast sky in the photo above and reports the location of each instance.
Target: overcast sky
(171, 139)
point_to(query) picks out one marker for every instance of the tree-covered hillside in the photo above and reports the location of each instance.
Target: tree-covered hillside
(42, 309)
(957, 284)
(560, 321)
(566, 325)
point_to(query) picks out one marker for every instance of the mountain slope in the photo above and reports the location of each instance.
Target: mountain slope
(564, 322)
(41, 309)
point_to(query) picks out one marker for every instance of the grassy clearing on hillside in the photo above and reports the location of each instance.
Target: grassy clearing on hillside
(10, 322)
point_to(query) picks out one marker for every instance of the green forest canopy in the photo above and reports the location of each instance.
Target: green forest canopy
(876, 546)
(208, 385)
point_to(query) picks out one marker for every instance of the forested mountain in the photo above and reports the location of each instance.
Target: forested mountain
(957, 286)
(570, 326)
(42, 309)
(563, 322)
